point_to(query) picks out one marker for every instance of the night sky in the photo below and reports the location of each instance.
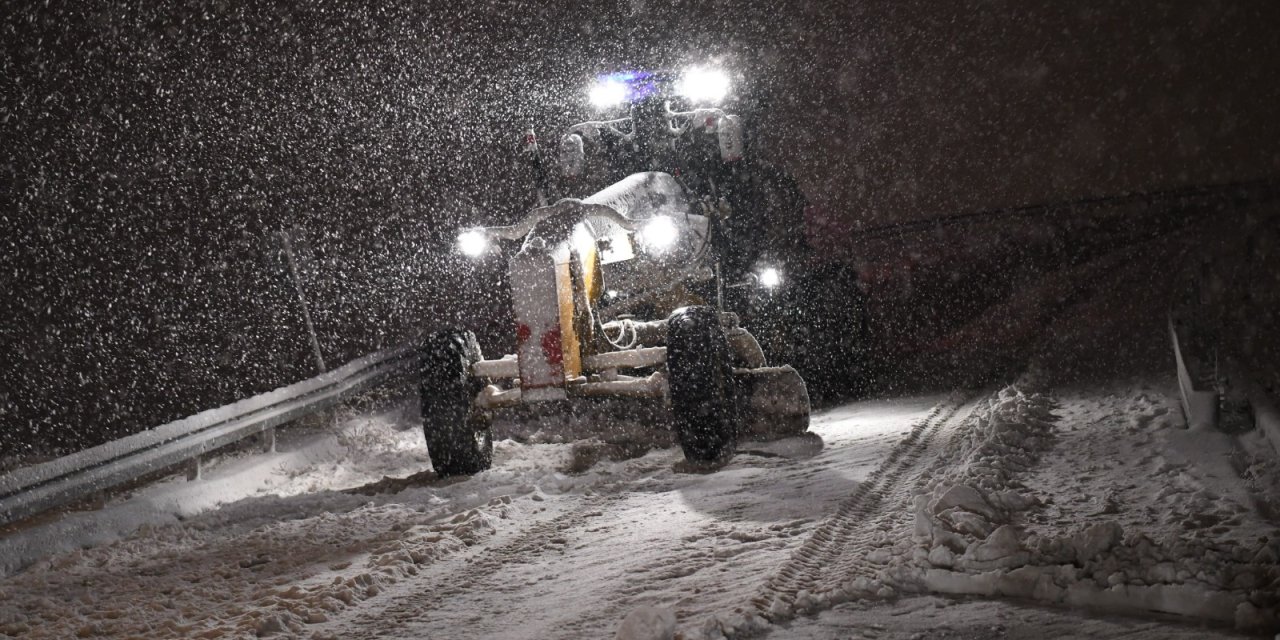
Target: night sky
(151, 152)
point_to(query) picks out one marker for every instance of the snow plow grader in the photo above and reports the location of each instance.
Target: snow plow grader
(626, 295)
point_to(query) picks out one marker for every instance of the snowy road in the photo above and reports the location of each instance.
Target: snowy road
(573, 565)
(525, 550)
(559, 540)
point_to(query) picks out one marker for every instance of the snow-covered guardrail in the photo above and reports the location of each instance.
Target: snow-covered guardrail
(31, 490)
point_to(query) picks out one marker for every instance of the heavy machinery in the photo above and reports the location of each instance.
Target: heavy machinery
(627, 294)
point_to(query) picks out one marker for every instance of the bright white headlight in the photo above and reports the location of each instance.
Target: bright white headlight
(770, 277)
(472, 242)
(659, 234)
(583, 242)
(608, 93)
(703, 84)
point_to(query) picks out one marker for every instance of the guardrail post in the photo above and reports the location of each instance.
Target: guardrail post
(194, 469)
(267, 439)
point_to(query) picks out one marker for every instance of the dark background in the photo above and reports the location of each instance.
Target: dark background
(150, 153)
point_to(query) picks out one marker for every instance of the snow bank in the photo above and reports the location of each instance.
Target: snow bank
(648, 623)
(966, 518)
(971, 536)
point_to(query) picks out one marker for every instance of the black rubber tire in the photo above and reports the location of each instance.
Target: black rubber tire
(704, 395)
(459, 438)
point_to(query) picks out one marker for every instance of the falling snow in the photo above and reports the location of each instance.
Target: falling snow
(973, 229)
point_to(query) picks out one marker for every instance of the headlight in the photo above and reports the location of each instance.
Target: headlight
(703, 84)
(770, 277)
(612, 89)
(472, 242)
(608, 92)
(659, 234)
(582, 240)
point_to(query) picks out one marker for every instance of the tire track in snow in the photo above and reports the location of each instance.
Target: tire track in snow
(701, 545)
(413, 602)
(845, 538)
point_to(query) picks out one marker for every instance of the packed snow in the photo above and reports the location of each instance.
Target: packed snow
(1089, 500)
(1096, 500)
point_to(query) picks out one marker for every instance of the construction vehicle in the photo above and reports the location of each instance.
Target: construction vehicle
(627, 294)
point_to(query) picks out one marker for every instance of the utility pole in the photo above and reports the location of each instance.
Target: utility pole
(292, 261)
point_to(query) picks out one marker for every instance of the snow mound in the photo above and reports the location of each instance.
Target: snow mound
(966, 516)
(648, 623)
(978, 528)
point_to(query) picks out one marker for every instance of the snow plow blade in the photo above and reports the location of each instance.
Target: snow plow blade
(774, 402)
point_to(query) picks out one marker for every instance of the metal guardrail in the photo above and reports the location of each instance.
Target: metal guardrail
(1187, 200)
(31, 490)
(1200, 406)
(1266, 414)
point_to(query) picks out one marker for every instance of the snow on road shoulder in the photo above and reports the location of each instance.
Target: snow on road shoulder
(203, 580)
(1093, 500)
(361, 448)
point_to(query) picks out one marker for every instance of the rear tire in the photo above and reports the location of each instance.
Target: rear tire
(459, 438)
(704, 395)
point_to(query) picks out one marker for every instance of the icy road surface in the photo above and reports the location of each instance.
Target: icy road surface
(532, 549)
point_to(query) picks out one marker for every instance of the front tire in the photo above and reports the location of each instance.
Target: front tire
(704, 395)
(459, 437)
